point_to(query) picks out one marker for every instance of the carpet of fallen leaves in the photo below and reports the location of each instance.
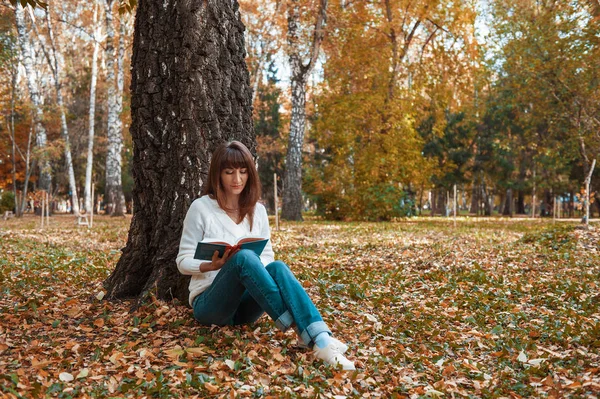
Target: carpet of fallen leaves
(480, 308)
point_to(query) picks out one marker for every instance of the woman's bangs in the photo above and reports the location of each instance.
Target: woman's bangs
(233, 159)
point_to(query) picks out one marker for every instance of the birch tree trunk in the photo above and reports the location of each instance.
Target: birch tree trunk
(28, 170)
(292, 196)
(190, 92)
(56, 67)
(45, 177)
(120, 201)
(89, 201)
(11, 128)
(113, 191)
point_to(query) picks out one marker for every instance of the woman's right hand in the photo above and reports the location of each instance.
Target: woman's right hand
(218, 262)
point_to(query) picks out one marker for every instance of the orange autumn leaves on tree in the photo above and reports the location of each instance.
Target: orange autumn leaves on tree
(381, 69)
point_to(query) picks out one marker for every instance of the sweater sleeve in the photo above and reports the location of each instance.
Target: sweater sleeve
(267, 255)
(193, 232)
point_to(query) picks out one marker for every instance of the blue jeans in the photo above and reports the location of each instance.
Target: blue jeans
(244, 289)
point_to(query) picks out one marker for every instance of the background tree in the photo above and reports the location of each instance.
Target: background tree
(8, 96)
(55, 62)
(386, 64)
(113, 189)
(549, 82)
(303, 54)
(96, 38)
(41, 138)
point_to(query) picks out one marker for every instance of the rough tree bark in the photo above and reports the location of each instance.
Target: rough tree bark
(190, 91)
(292, 196)
(113, 191)
(89, 201)
(45, 177)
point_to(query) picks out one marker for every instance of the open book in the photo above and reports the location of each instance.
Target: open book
(206, 249)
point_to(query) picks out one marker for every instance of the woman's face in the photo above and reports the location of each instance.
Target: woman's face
(233, 181)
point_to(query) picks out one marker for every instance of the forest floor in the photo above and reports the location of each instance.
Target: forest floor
(484, 308)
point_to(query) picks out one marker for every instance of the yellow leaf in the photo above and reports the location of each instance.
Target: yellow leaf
(230, 363)
(83, 373)
(211, 388)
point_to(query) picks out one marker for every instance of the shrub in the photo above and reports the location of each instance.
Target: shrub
(7, 201)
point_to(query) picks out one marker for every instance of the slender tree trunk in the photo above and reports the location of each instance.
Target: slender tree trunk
(56, 68)
(439, 206)
(45, 177)
(520, 202)
(113, 191)
(571, 204)
(28, 170)
(89, 201)
(475, 198)
(508, 200)
(11, 129)
(292, 196)
(190, 92)
(120, 196)
(488, 201)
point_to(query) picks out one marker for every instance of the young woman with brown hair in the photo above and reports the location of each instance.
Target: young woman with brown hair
(239, 287)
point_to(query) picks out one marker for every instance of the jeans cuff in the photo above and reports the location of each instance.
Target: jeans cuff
(312, 331)
(284, 321)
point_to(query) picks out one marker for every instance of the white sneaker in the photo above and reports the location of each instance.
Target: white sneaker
(340, 345)
(332, 355)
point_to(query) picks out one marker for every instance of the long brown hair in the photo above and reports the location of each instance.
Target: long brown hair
(234, 155)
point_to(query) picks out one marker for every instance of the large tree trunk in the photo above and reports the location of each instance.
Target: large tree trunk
(292, 196)
(113, 190)
(45, 177)
(89, 201)
(190, 92)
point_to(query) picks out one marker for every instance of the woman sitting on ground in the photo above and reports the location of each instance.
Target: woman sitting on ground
(239, 287)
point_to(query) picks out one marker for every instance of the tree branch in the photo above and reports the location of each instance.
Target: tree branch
(318, 35)
(43, 47)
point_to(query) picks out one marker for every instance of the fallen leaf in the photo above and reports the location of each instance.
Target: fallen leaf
(211, 388)
(66, 377)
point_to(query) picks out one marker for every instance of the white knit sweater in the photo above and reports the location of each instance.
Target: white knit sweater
(206, 221)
